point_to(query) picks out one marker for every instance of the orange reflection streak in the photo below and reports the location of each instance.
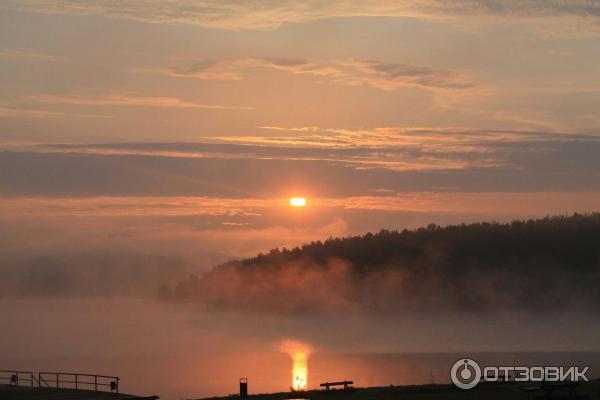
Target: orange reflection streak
(299, 352)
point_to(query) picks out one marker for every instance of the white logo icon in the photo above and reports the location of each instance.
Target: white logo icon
(465, 373)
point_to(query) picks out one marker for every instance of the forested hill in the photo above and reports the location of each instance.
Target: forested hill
(535, 265)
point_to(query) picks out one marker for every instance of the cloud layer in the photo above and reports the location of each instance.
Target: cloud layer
(261, 14)
(27, 54)
(127, 100)
(379, 75)
(321, 162)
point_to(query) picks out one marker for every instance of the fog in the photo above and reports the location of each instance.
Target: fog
(182, 352)
(537, 266)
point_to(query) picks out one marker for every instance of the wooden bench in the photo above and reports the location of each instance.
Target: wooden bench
(329, 385)
(548, 388)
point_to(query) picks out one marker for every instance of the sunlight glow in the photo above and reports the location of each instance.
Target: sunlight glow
(298, 201)
(299, 371)
(299, 353)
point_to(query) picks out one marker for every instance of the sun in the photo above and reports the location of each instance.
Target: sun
(298, 201)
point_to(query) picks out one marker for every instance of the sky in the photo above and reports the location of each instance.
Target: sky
(202, 118)
(165, 137)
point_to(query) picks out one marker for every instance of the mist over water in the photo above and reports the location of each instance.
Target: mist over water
(180, 352)
(79, 293)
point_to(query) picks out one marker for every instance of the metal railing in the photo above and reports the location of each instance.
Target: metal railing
(17, 378)
(72, 380)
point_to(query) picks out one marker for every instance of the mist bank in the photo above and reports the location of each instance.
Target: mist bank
(87, 274)
(536, 266)
(176, 352)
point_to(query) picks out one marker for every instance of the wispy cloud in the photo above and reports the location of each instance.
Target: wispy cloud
(9, 112)
(127, 100)
(15, 108)
(14, 111)
(28, 54)
(397, 149)
(179, 206)
(258, 14)
(376, 74)
(410, 148)
(388, 137)
(121, 206)
(234, 69)
(392, 76)
(369, 158)
(407, 161)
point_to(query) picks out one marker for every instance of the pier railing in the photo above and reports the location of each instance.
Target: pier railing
(16, 378)
(60, 380)
(72, 380)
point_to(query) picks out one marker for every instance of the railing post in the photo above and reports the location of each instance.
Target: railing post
(76, 380)
(96, 383)
(31, 373)
(57, 384)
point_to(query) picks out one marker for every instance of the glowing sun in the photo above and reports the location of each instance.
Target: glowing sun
(298, 201)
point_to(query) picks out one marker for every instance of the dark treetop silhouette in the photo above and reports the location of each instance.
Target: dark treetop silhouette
(535, 265)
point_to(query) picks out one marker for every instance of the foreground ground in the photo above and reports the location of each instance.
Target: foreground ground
(8, 392)
(491, 391)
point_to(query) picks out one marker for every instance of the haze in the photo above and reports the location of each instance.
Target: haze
(143, 142)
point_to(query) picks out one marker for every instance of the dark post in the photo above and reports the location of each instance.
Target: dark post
(244, 388)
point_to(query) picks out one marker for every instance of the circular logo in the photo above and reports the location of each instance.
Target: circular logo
(465, 373)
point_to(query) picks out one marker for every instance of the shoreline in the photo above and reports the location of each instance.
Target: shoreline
(487, 390)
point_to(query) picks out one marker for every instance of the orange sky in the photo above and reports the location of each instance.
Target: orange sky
(198, 117)
(159, 139)
(185, 71)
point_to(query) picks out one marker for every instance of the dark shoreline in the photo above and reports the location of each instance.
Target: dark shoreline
(510, 390)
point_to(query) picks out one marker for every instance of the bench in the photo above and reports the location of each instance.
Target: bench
(329, 385)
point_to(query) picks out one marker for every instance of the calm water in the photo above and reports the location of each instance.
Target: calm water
(164, 350)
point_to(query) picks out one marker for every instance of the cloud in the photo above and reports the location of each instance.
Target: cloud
(398, 149)
(335, 163)
(16, 112)
(10, 112)
(391, 76)
(118, 206)
(126, 100)
(379, 75)
(234, 69)
(14, 109)
(28, 54)
(444, 139)
(261, 14)
(224, 212)
(384, 76)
